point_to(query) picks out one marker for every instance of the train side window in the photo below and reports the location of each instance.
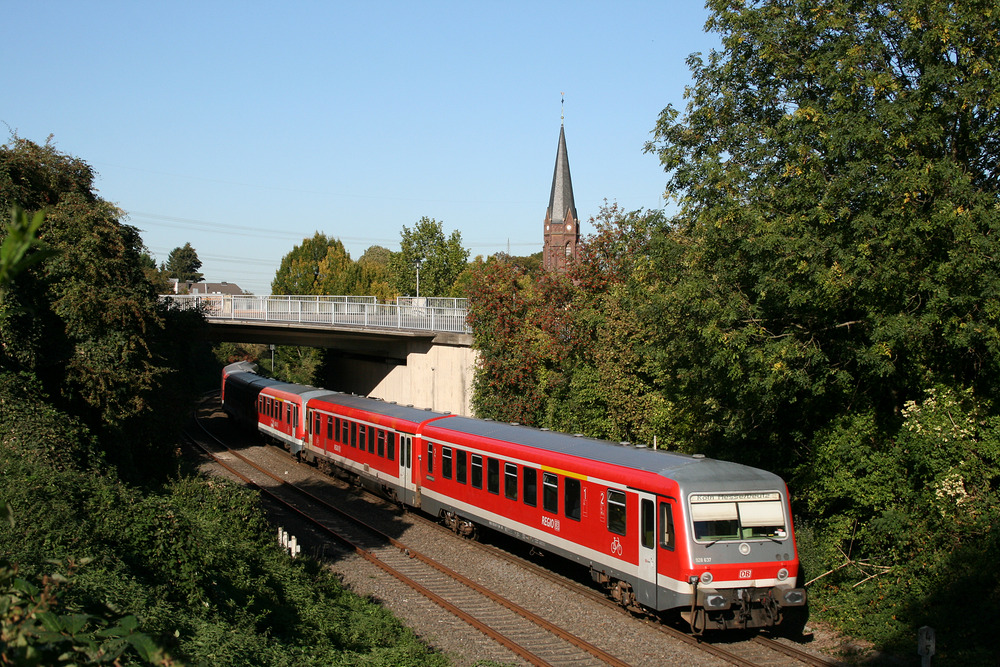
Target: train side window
(380, 440)
(510, 480)
(530, 487)
(666, 526)
(329, 427)
(345, 432)
(550, 492)
(477, 471)
(316, 422)
(371, 439)
(390, 445)
(648, 520)
(288, 413)
(616, 512)
(336, 427)
(461, 466)
(430, 458)
(571, 492)
(406, 442)
(446, 462)
(493, 476)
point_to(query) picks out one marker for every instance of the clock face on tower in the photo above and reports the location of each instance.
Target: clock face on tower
(569, 227)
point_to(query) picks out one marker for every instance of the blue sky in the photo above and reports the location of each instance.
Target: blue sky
(244, 127)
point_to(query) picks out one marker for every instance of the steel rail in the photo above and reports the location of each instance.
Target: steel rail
(371, 557)
(793, 652)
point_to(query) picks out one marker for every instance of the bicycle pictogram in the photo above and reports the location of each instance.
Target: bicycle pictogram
(616, 547)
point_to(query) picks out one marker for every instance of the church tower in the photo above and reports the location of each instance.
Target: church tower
(562, 227)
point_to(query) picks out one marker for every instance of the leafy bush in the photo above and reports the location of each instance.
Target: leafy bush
(194, 562)
(904, 525)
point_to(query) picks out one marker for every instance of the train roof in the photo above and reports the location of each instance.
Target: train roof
(297, 389)
(252, 379)
(392, 410)
(691, 471)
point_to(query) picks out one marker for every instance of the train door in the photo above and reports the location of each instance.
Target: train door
(646, 590)
(411, 491)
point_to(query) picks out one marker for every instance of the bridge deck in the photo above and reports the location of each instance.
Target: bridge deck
(354, 312)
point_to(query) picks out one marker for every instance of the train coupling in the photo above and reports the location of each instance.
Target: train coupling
(741, 607)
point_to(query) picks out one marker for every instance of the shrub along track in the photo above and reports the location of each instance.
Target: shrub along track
(740, 653)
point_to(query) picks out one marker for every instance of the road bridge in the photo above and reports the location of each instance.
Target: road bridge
(415, 351)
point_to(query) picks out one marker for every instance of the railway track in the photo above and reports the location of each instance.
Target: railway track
(530, 636)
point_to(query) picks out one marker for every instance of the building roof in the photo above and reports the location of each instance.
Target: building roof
(561, 197)
(189, 287)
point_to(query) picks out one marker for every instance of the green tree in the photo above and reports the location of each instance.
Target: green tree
(373, 273)
(441, 260)
(567, 352)
(319, 265)
(156, 275)
(183, 264)
(836, 174)
(82, 320)
(835, 261)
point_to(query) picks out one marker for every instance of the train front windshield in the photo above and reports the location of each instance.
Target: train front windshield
(737, 516)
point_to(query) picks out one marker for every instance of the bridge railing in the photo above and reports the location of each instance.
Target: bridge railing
(358, 311)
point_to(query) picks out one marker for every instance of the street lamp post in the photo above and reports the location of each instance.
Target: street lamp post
(417, 264)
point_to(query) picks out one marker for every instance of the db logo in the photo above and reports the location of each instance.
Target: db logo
(746, 574)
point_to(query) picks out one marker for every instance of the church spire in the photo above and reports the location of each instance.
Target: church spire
(562, 227)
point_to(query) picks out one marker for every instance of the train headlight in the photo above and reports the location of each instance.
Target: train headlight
(782, 574)
(706, 577)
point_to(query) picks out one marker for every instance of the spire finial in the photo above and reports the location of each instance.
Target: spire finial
(562, 108)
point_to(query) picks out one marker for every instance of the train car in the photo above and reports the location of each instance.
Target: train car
(240, 387)
(281, 410)
(662, 531)
(369, 441)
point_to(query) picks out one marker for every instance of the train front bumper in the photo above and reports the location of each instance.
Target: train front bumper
(722, 599)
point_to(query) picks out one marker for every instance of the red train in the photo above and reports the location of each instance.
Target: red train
(661, 531)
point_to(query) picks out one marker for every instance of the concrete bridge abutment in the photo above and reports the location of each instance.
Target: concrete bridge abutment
(428, 374)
